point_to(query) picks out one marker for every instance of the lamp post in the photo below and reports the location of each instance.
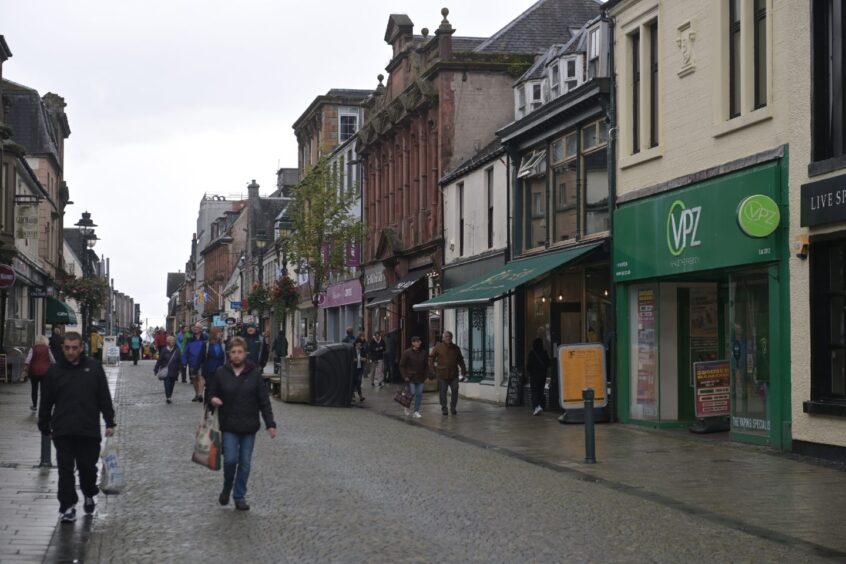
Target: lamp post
(284, 228)
(88, 239)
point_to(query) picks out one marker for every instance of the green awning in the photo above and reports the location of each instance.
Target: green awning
(59, 313)
(504, 279)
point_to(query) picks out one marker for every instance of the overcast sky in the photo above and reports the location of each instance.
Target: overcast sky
(171, 99)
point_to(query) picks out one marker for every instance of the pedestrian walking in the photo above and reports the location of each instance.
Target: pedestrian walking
(264, 355)
(350, 336)
(95, 344)
(38, 361)
(182, 336)
(193, 356)
(240, 395)
(280, 350)
(414, 367)
(56, 340)
(215, 357)
(359, 363)
(170, 357)
(160, 339)
(74, 394)
(445, 361)
(538, 366)
(254, 344)
(135, 346)
(376, 356)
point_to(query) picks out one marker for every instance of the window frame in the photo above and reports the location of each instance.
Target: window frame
(347, 114)
(654, 87)
(828, 145)
(635, 44)
(489, 188)
(735, 54)
(461, 219)
(822, 298)
(759, 57)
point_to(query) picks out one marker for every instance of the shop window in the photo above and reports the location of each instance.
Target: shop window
(828, 324)
(643, 327)
(828, 57)
(475, 337)
(597, 304)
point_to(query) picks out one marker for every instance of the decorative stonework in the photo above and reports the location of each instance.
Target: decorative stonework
(685, 39)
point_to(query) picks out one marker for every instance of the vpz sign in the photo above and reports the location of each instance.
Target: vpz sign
(682, 227)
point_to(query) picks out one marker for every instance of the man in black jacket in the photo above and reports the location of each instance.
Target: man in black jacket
(240, 394)
(74, 394)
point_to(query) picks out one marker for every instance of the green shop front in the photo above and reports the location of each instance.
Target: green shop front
(702, 301)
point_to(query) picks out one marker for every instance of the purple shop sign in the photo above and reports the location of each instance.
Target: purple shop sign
(345, 293)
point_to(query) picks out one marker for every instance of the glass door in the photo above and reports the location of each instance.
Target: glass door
(749, 331)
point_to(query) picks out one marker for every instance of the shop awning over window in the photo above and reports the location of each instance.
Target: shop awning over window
(504, 279)
(387, 296)
(59, 312)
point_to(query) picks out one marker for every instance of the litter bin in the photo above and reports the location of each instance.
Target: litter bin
(331, 375)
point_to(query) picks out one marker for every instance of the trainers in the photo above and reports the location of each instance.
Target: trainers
(169, 400)
(241, 505)
(538, 410)
(33, 408)
(407, 411)
(224, 498)
(89, 505)
(417, 415)
(69, 516)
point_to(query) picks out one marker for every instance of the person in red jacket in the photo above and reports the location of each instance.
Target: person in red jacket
(37, 362)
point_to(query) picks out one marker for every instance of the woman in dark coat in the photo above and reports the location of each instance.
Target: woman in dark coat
(239, 393)
(538, 365)
(169, 357)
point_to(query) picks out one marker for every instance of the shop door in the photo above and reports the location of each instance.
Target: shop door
(749, 354)
(700, 323)
(566, 323)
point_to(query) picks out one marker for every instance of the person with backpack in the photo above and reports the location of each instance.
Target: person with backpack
(37, 362)
(193, 356)
(135, 345)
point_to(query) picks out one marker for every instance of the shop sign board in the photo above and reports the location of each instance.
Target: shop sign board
(727, 221)
(712, 388)
(26, 221)
(823, 201)
(7, 276)
(581, 366)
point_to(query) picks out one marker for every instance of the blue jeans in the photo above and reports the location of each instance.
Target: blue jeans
(237, 454)
(417, 390)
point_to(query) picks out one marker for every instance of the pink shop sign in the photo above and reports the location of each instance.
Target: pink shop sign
(345, 293)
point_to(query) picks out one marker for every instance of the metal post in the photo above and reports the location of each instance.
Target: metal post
(590, 443)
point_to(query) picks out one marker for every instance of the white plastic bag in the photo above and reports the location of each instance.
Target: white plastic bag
(112, 480)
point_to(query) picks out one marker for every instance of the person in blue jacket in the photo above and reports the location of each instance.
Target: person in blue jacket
(193, 356)
(255, 343)
(215, 357)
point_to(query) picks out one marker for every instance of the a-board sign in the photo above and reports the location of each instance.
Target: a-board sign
(712, 388)
(581, 366)
(514, 393)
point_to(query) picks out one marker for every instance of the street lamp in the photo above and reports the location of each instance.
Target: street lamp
(285, 228)
(87, 239)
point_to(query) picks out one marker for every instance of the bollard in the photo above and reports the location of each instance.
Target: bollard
(590, 446)
(46, 452)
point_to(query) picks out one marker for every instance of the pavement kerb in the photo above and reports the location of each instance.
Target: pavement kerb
(635, 491)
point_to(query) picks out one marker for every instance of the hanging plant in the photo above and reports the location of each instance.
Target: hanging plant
(257, 299)
(89, 293)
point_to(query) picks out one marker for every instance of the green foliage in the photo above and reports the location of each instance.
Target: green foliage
(281, 297)
(323, 226)
(90, 293)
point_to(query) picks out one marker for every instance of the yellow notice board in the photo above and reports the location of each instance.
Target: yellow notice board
(581, 366)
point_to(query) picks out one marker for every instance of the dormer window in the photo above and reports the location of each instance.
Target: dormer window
(555, 81)
(521, 102)
(537, 95)
(571, 78)
(593, 53)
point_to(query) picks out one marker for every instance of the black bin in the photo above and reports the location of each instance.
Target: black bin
(331, 375)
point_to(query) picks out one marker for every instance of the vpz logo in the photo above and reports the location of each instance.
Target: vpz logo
(682, 227)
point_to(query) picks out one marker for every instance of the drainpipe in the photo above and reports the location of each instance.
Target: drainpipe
(612, 204)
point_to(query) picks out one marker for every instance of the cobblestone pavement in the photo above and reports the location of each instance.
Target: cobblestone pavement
(349, 485)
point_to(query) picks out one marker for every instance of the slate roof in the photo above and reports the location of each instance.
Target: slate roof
(28, 119)
(466, 43)
(485, 155)
(544, 23)
(174, 281)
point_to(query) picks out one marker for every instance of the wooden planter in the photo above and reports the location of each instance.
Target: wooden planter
(295, 386)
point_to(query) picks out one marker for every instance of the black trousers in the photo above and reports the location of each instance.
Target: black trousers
(35, 382)
(82, 453)
(358, 374)
(452, 384)
(135, 354)
(537, 380)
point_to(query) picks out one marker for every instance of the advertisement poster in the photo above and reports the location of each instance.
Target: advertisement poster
(712, 384)
(647, 349)
(26, 221)
(579, 367)
(704, 333)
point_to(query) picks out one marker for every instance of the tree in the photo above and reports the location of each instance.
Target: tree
(324, 225)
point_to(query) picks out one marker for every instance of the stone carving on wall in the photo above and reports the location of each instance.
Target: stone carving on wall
(685, 40)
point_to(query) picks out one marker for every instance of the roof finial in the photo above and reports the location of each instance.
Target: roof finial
(425, 32)
(381, 77)
(445, 13)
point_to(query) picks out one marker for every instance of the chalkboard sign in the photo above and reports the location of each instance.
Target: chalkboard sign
(514, 395)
